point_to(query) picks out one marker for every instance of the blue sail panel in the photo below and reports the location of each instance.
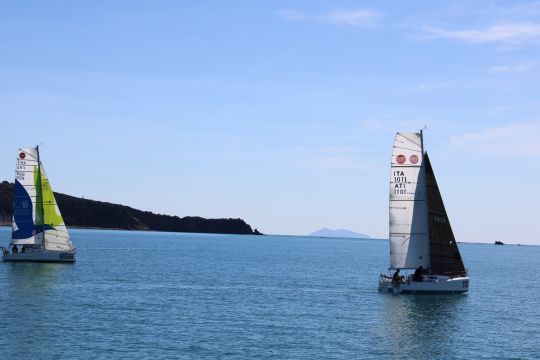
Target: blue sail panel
(22, 214)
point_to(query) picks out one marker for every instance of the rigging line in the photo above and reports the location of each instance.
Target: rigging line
(413, 200)
(406, 148)
(403, 182)
(49, 241)
(61, 231)
(24, 171)
(59, 243)
(51, 232)
(58, 236)
(414, 142)
(409, 233)
(400, 166)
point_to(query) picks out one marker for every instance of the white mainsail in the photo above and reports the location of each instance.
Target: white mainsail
(36, 217)
(409, 237)
(24, 230)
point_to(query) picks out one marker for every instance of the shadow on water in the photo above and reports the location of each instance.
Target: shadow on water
(415, 325)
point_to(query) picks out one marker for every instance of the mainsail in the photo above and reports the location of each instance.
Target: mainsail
(409, 240)
(36, 217)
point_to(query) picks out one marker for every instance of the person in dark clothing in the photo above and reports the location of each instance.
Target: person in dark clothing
(396, 279)
(418, 274)
(14, 250)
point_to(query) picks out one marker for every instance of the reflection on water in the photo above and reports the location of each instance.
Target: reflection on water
(31, 274)
(31, 293)
(419, 324)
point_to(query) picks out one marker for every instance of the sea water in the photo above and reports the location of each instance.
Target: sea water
(136, 295)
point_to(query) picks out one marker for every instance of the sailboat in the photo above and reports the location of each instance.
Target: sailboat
(38, 229)
(421, 238)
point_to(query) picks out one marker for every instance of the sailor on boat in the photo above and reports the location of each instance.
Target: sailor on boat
(417, 276)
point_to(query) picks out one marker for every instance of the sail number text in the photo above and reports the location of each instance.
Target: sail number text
(400, 182)
(20, 170)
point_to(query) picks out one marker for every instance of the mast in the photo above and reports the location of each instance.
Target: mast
(423, 174)
(41, 208)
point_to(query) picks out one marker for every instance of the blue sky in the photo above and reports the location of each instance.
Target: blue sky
(281, 113)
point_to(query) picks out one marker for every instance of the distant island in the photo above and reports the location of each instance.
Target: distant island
(499, 242)
(338, 233)
(79, 212)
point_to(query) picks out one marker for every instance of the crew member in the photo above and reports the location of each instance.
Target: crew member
(396, 279)
(418, 274)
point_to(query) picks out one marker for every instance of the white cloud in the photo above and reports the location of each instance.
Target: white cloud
(292, 15)
(505, 33)
(330, 150)
(526, 10)
(358, 17)
(421, 88)
(499, 110)
(371, 124)
(520, 139)
(515, 68)
(353, 17)
(334, 157)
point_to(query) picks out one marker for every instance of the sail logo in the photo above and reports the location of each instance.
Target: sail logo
(413, 159)
(400, 159)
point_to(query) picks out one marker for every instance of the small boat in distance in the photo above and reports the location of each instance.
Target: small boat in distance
(38, 229)
(421, 237)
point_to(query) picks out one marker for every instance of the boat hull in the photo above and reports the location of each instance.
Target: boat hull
(42, 256)
(430, 285)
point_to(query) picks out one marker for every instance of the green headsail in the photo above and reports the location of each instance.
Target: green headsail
(47, 213)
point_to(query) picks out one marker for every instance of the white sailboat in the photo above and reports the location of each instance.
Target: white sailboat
(421, 237)
(38, 229)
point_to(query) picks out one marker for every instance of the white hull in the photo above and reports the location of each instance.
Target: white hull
(37, 255)
(432, 284)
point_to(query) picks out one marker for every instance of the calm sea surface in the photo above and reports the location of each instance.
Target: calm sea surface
(154, 295)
